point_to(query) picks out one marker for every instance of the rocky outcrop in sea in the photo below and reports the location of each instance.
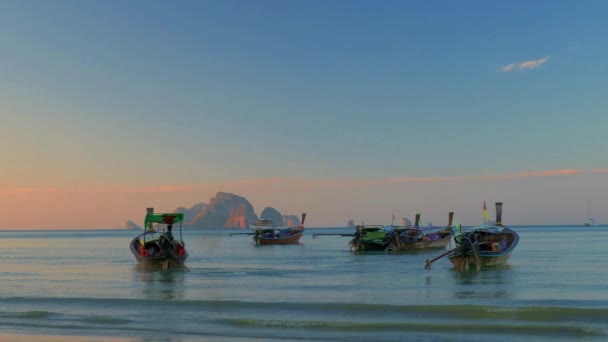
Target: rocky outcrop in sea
(273, 215)
(192, 212)
(225, 210)
(291, 221)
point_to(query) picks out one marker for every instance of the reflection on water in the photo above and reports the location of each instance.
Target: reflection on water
(428, 286)
(158, 284)
(155, 339)
(318, 292)
(497, 282)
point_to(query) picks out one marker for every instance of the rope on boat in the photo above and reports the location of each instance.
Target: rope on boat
(394, 245)
(477, 260)
(465, 264)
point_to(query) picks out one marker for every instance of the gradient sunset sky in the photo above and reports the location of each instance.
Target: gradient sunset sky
(341, 109)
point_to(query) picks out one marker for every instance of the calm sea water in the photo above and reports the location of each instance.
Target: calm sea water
(87, 283)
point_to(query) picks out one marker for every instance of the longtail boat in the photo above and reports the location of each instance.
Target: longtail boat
(365, 238)
(416, 237)
(157, 246)
(487, 245)
(266, 234)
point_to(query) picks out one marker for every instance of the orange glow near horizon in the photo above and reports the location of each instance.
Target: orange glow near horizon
(110, 207)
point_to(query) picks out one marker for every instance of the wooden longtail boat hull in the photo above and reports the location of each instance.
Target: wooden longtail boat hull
(154, 260)
(289, 240)
(466, 258)
(464, 262)
(486, 245)
(404, 245)
(365, 246)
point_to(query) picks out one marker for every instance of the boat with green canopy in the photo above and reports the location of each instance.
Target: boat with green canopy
(157, 246)
(365, 238)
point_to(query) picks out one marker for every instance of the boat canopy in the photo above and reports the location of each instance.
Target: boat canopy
(170, 218)
(485, 227)
(263, 224)
(371, 227)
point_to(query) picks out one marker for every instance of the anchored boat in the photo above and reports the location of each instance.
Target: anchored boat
(481, 246)
(365, 238)
(590, 220)
(398, 238)
(416, 237)
(266, 234)
(157, 246)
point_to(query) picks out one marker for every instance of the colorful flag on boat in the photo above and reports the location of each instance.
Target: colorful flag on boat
(486, 219)
(457, 232)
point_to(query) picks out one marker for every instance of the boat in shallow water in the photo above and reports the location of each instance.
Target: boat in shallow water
(484, 246)
(481, 246)
(264, 233)
(369, 238)
(397, 238)
(416, 237)
(157, 246)
(365, 238)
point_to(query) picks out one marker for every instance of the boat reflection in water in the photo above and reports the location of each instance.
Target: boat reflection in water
(158, 284)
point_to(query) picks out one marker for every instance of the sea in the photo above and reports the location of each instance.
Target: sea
(87, 286)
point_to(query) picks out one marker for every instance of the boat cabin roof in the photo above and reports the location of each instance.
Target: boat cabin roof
(165, 218)
(268, 228)
(402, 227)
(371, 227)
(265, 225)
(262, 223)
(485, 227)
(425, 229)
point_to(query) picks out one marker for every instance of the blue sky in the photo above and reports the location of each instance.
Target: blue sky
(231, 90)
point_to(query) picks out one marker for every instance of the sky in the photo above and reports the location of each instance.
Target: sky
(341, 109)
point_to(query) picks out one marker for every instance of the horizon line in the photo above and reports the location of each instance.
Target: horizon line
(320, 227)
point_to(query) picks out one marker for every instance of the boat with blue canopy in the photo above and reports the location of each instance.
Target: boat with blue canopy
(265, 233)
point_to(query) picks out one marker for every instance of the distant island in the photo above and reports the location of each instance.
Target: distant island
(226, 210)
(130, 225)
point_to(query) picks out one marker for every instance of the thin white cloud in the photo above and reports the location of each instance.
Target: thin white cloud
(525, 65)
